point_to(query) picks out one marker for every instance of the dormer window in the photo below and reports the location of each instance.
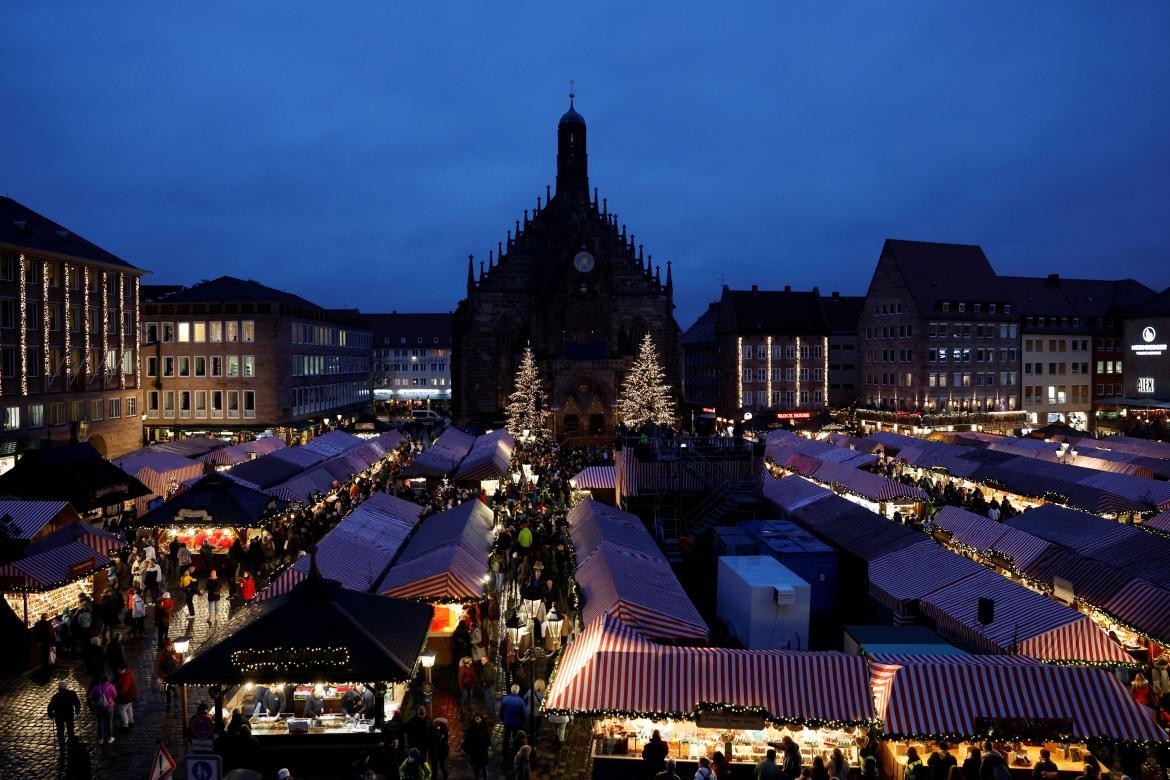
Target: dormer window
(946, 305)
(962, 306)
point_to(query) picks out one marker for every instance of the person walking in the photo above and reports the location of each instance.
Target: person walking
(247, 588)
(414, 767)
(468, 679)
(168, 661)
(46, 640)
(190, 587)
(127, 687)
(137, 613)
(477, 742)
(63, 707)
(513, 714)
(213, 597)
(487, 679)
(163, 607)
(102, 698)
(440, 748)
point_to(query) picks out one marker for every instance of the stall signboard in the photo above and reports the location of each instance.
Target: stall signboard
(1031, 729)
(194, 515)
(81, 568)
(727, 720)
(793, 415)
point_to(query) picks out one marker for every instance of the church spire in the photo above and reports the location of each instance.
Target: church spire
(470, 273)
(572, 162)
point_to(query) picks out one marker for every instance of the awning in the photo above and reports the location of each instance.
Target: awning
(75, 472)
(1143, 606)
(77, 550)
(610, 668)
(984, 534)
(592, 522)
(640, 590)
(1024, 621)
(787, 494)
(359, 548)
(1075, 530)
(100, 541)
(238, 453)
(446, 559)
(1092, 581)
(864, 483)
(594, 478)
(853, 528)
(215, 500)
(162, 472)
(1159, 522)
(922, 700)
(334, 443)
(318, 632)
(890, 583)
(443, 456)
(27, 518)
(1155, 492)
(490, 459)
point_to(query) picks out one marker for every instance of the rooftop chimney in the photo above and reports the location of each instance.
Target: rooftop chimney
(1054, 280)
(755, 288)
(787, 288)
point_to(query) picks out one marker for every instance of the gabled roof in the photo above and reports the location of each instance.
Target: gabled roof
(1086, 298)
(703, 329)
(412, 327)
(1157, 306)
(843, 312)
(936, 272)
(770, 311)
(75, 472)
(23, 227)
(214, 500)
(229, 289)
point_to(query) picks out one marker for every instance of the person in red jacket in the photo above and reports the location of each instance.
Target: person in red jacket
(127, 687)
(247, 587)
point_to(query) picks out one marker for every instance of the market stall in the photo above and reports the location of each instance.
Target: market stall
(30, 519)
(889, 584)
(1023, 706)
(57, 569)
(785, 493)
(443, 456)
(1021, 621)
(162, 472)
(98, 490)
(358, 550)
(216, 510)
(488, 462)
(445, 563)
(597, 482)
(706, 699)
(317, 637)
(226, 457)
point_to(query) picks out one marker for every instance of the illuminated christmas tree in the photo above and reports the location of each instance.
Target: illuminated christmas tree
(528, 404)
(646, 397)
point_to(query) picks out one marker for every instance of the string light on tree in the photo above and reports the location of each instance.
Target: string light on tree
(646, 397)
(527, 408)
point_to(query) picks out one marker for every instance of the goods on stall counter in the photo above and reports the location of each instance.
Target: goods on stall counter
(687, 741)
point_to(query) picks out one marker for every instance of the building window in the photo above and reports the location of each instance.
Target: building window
(200, 365)
(232, 330)
(216, 365)
(184, 366)
(168, 332)
(199, 332)
(215, 331)
(168, 366)
(11, 418)
(36, 415)
(184, 331)
(747, 351)
(248, 330)
(57, 413)
(114, 408)
(233, 403)
(789, 352)
(233, 365)
(249, 366)
(217, 403)
(131, 406)
(201, 404)
(97, 409)
(168, 403)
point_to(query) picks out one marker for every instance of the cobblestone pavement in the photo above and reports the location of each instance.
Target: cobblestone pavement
(28, 749)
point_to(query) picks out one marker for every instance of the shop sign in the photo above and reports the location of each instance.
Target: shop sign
(729, 721)
(1149, 346)
(194, 514)
(708, 410)
(1145, 384)
(82, 567)
(793, 415)
(1031, 729)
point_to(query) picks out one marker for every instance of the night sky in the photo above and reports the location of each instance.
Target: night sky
(355, 152)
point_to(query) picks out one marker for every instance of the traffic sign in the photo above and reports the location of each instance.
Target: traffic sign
(202, 727)
(163, 765)
(204, 767)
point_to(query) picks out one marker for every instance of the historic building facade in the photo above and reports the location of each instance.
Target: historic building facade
(572, 282)
(68, 337)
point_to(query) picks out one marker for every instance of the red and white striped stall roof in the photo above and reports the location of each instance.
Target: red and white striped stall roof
(162, 472)
(790, 493)
(611, 668)
(939, 567)
(29, 517)
(864, 483)
(983, 533)
(1143, 606)
(45, 569)
(641, 590)
(1159, 522)
(238, 453)
(1037, 626)
(446, 559)
(592, 522)
(594, 478)
(922, 700)
(358, 550)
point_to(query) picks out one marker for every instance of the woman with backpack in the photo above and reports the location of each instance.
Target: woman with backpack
(101, 699)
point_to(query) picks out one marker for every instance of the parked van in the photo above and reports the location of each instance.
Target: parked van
(425, 415)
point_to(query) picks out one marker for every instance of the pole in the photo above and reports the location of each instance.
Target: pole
(186, 736)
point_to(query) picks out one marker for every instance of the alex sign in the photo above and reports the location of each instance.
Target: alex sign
(1150, 345)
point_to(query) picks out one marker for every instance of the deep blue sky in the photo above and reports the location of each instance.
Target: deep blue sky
(356, 152)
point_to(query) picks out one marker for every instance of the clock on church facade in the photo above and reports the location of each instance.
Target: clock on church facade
(570, 281)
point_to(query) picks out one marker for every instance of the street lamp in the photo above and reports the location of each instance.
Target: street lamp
(553, 621)
(427, 659)
(182, 644)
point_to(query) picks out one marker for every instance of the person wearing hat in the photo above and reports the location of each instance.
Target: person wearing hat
(415, 767)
